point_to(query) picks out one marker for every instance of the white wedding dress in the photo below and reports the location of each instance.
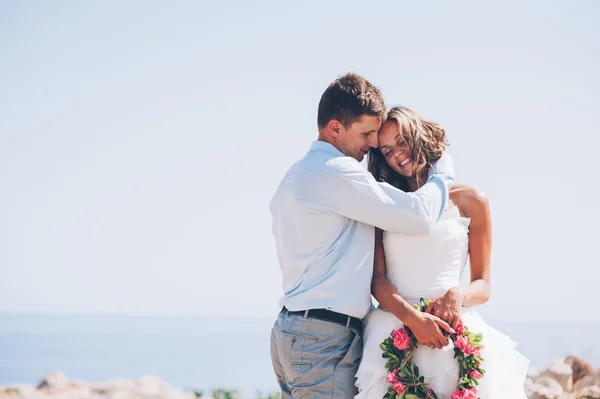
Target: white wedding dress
(427, 266)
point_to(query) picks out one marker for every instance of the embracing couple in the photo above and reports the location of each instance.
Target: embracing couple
(400, 231)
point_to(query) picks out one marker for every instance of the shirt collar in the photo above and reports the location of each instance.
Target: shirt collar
(325, 147)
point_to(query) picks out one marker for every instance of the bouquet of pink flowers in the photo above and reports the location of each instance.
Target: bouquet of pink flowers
(403, 374)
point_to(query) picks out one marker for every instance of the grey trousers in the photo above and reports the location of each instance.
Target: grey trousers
(315, 358)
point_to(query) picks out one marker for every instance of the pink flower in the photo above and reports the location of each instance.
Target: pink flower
(401, 339)
(475, 374)
(470, 393)
(399, 387)
(460, 327)
(391, 377)
(461, 343)
(470, 350)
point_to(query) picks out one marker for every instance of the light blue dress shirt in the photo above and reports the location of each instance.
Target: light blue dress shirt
(323, 215)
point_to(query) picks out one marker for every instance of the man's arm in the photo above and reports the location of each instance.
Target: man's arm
(357, 195)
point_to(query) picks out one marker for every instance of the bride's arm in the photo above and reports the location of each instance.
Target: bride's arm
(473, 205)
(426, 327)
(382, 289)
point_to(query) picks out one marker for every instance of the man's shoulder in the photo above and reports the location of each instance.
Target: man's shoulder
(316, 161)
(316, 171)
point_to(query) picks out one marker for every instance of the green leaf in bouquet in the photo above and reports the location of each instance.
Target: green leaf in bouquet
(411, 396)
(403, 373)
(383, 346)
(475, 338)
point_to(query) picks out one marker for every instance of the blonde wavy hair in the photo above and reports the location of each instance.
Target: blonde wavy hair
(426, 142)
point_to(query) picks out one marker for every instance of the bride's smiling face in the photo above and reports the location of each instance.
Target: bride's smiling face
(394, 149)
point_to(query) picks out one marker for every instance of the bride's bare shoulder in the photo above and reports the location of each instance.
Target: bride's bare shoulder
(470, 202)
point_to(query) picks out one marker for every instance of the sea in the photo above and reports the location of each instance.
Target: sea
(205, 352)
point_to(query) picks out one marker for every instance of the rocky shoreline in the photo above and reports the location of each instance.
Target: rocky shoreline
(55, 385)
(568, 378)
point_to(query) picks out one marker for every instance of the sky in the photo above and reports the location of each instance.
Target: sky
(141, 142)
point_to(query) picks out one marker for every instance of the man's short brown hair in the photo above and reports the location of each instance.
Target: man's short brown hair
(348, 98)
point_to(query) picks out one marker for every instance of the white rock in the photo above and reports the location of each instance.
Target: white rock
(120, 395)
(150, 386)
(545, 387)
(528, 386)
(115, 385)
(589, 392)
(533, 373)
(54, 381)
(561, 373)
(22, 391)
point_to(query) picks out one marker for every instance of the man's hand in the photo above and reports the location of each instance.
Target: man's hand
(428, 329)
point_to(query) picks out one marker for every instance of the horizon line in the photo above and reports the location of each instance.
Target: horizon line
(5, 312)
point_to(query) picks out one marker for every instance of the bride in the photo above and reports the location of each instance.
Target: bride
(408, 267)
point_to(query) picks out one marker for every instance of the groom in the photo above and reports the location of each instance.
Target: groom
(323, 214)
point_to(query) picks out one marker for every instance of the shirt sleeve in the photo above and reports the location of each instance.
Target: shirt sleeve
(356, 194)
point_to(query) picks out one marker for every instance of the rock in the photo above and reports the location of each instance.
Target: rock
(590, 392)
(54, 381)
(149, 386)
(545, 387)
(561, 373)
(588, 381)
(533, 374)
(528, 386)
(56, 385)
(22, 391)
(115, 385)
(580, 367)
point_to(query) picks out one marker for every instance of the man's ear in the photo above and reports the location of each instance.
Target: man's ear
(334, 128)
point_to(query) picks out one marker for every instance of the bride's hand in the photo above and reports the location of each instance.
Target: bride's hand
(447, 307)
(428, 328)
